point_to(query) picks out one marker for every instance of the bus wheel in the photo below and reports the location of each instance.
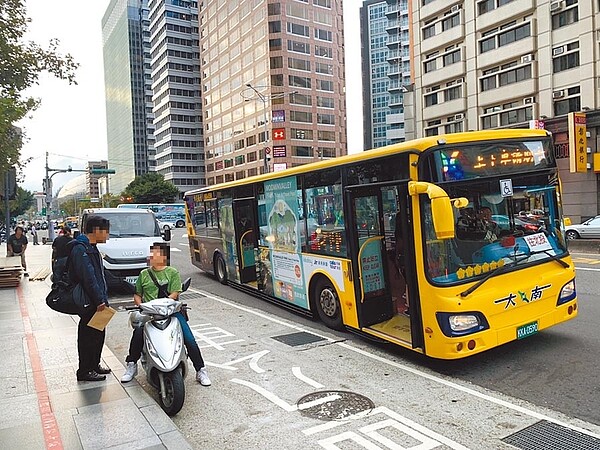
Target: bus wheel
(328, 304)
(220, 269)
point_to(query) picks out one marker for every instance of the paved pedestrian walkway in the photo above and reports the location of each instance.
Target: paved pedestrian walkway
(42, 405)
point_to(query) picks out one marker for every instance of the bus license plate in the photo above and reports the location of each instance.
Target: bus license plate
(131, 280)
(527, 330)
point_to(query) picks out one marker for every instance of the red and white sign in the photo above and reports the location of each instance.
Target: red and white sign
(279, 134)
(279, 151)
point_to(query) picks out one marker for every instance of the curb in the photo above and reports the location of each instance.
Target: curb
(591, 246)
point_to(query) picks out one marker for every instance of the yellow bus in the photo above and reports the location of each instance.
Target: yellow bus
(426, 244)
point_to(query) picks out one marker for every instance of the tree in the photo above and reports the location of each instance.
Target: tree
(151, 188)
(22, 202)
(21, 64)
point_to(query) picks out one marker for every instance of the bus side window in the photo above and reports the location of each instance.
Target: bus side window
(199, 222)
(262, 216)
(325, 221)
(211, 219)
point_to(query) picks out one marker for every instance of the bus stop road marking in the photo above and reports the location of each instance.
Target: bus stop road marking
(403, 367)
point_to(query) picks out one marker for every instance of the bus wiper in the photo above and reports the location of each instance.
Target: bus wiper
(553, 257)
(493, 273)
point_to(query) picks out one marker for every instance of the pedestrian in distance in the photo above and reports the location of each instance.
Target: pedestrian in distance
(16, 246)
(86, 268)
(34, 234)
(146, 289)
(59, 245)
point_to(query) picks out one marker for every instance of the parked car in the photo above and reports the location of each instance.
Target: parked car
(587, 230)
(167, 223)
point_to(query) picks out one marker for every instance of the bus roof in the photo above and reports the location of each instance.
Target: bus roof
(418, 145)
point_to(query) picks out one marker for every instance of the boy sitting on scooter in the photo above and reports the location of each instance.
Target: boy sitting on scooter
(168, 284)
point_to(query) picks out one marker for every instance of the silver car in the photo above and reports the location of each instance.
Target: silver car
(587, 230)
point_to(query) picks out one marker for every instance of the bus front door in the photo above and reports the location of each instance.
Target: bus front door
(374, 300)
(244, 216)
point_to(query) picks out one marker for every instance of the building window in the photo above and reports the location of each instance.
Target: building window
(302, 150)
(565, 61)
(486, 6)
(299, 64)
(325, 102)
(275, 44)
(275, 26)
(453, 127)
(515, 75)
(322, 3)
(430, 65)
(325, 85)
(499, 38)
(452, 93)
(451, 22)
(297, 29)
(431, 99)
(297, 133)
(570, 104)
(452, 57)
(277, 62)
(488, 83)
(326, 119)
(274, 9)
(429, 31)
(566, 16)
(324, 52)
(323, 35)
(298, 47)
(300, 116)
(300, 99)
(302, 82)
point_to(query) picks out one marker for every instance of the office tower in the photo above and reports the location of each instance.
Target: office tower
(125, 40)
(273, 79)
(510, 63)
(176, 92)
(385, 70)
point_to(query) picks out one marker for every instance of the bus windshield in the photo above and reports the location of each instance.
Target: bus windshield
(496, 229)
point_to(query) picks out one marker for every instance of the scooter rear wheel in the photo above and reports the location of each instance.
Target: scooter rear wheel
(172, 401)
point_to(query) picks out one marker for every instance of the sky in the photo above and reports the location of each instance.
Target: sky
(70, 124)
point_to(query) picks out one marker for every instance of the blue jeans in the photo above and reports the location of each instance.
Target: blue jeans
(137, 343)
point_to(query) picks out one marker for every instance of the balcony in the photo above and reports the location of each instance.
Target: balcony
(453, 71)
(516, 8)
(445, 109)
(443, 38)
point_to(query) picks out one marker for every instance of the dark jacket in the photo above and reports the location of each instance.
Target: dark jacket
(86, 268)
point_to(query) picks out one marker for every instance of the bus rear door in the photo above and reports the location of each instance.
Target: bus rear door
(366, 227)
(244, 216)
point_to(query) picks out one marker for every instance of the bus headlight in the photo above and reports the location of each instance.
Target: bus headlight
(567, 293)
(453, 324)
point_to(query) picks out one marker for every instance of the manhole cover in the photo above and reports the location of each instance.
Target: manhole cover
(551, 436)
(300, 338)
(334, 405)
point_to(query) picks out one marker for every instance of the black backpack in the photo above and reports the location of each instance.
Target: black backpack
(67, 296)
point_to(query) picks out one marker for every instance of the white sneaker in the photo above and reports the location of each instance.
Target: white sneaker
(202, 377)
(129, 373)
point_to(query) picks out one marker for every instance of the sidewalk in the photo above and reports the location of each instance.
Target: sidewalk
(41, 403)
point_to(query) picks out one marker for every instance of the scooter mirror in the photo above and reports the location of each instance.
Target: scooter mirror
(186, 284)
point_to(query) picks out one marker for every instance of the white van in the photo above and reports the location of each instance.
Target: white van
(132, 232)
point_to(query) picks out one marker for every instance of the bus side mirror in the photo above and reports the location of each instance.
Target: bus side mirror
(441, 207)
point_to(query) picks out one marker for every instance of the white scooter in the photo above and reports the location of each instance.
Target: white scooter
(164, 357)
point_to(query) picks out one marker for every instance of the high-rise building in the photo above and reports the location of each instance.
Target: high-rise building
(273, 85)
(385, 70)
(130, 132)
(510, 63)
(91, 180)
(176, 95)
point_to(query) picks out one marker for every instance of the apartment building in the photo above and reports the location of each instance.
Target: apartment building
(92, 180)
(176, 92)
(509, 63)
(130, 132)
(273, 85)
(385, 70)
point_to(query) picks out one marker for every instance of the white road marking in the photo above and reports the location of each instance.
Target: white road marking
(174, 249)
(319, 401)
(298, 374)
(577, 269)
(416, 372)
(253, 362)
(184, 235)
(268, 395)
(184, 244)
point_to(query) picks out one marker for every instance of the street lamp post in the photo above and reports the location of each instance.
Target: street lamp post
(263, 99)
(256, 94)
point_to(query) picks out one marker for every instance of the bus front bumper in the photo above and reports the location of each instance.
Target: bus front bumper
(463, 346)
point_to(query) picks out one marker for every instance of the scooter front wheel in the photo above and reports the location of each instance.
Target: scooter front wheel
(171, 401)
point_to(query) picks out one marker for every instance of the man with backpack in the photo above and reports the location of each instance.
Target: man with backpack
(86, 268)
